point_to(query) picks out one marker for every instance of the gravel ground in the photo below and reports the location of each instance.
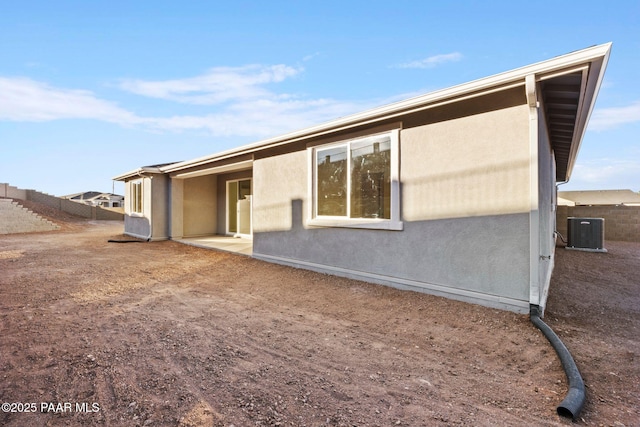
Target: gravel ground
(163, 334)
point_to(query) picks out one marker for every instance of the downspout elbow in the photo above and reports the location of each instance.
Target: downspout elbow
(573, 402)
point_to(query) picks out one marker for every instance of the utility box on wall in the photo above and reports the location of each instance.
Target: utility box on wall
(586, 234)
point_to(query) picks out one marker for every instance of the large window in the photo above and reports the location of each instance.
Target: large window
(136, 197)
(355, 183)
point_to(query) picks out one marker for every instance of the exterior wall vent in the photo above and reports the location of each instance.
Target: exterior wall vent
(586, 234)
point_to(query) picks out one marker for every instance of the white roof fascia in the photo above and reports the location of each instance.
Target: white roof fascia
(471, 89)
(136, 172)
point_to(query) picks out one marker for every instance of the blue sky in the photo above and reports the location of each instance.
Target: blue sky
(89, 90)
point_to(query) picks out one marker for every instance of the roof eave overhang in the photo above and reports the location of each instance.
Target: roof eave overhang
(594, 77)
(137, 173)
(227, 168)
(568, 97)
(503, 81)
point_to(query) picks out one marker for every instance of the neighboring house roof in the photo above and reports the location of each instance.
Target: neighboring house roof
(91, 195)
(160, 165)
(600, 197)
(564, 202)
(567, 85)
(87, 195)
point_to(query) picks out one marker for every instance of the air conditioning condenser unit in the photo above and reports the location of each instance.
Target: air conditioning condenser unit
(586, 234)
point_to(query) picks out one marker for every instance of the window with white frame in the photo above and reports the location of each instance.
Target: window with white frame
(355, 183)
(136, 197)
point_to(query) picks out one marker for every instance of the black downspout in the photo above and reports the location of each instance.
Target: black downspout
(574, 400)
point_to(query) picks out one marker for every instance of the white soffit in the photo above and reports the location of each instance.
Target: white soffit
(234, 167)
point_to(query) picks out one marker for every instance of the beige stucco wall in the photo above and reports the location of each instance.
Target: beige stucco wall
(277, 182)
(147, 195)
(470, 166)
(177, 209)
(138, 224)
(153, 221)
(199, 205)
(465, 186)
(159, 206)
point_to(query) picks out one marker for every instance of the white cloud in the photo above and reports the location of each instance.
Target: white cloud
(260, 118)
(23, 99)
(311, 56)
(219, 85)
(607, 173)
(609, 118)
(239, 104)
(432, 61)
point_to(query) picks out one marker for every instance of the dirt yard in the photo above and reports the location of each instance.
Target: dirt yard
(162, 334)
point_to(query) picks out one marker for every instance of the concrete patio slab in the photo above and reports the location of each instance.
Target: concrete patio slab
(238, 245)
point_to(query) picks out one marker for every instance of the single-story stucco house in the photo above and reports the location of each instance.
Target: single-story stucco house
(451, 193)
(96, 198)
